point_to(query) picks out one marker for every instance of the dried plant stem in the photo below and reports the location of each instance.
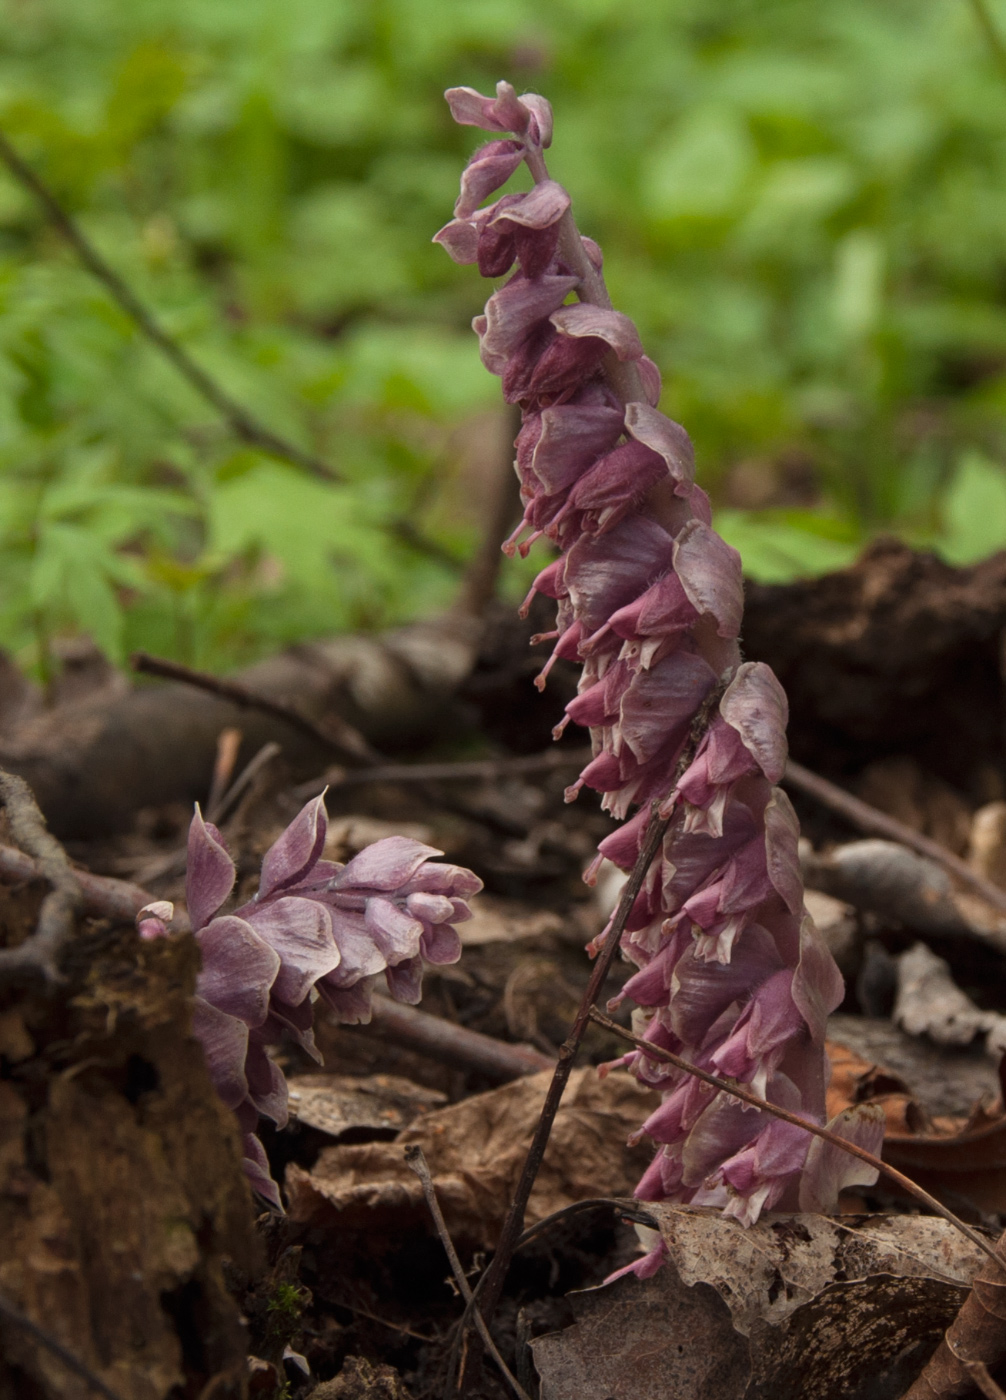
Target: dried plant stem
(514, 1222)
(337, 734)
(462, 771)
(979, 1373)
(415, 1159)
(868, 818)
(72, 1363)
(38, 956)
(738, 1091)
(242, 423)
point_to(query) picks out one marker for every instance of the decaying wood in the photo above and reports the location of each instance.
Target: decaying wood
(335, 734)
(900, 653)
(121, 1188)
(978, 1333)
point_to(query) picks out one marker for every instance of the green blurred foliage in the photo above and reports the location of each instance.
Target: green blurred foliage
(803, 206)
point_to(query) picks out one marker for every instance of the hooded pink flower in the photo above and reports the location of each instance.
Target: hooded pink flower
(733, 975)
(313, 927)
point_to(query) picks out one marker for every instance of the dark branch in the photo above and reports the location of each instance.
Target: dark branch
(337, 735)
(243, 424)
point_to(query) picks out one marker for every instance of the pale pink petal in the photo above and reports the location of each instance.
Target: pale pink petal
(488, 169)
(650, 376)
(405, 982)
(209, 871)
(225, 1044)
(659, 702)
(755, 704)
(829, 1171)
(710, 573)
(782, 836)
(386, 864)
(292, 855)
(300, 930)
(238, 969)
(266, 1084)
(646, 425)
(541, 207)
(395, 932)
(461, 239)
(614, 328)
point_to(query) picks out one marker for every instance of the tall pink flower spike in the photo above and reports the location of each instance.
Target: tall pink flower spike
(313, 928)
(732, 973)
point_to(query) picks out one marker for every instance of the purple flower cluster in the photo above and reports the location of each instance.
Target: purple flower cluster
(313, 927)
(732, 973)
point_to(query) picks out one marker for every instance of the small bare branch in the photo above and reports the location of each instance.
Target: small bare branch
(337, 735)
(416, 1160)
(242, 423)
(38, 956)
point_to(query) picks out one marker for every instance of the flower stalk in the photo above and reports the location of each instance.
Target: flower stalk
(732, 976)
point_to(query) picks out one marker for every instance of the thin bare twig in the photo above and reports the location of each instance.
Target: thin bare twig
(868, 818)
(38, 955)
(738, 1091)
(71, 1362)
(626, 1210)
(415, 1159)
(337, 734)
(242, 423)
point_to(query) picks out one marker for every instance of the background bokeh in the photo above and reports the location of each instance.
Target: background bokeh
(803, 206)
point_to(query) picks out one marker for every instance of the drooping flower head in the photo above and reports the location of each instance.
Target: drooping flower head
(313, 927)
(732, 973)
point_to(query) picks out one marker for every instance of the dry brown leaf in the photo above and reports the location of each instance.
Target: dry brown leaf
(476, 1149)
(337, 1104)
(959, 1160)
(797, 1306)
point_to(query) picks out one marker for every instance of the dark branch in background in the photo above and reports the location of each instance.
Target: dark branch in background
(868, 818)
(13, 1315)
(337, 735)
(738, 1091)
(242, 423)
(481, 575)
(38, 956)
(417, 1162)
(997, 46)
